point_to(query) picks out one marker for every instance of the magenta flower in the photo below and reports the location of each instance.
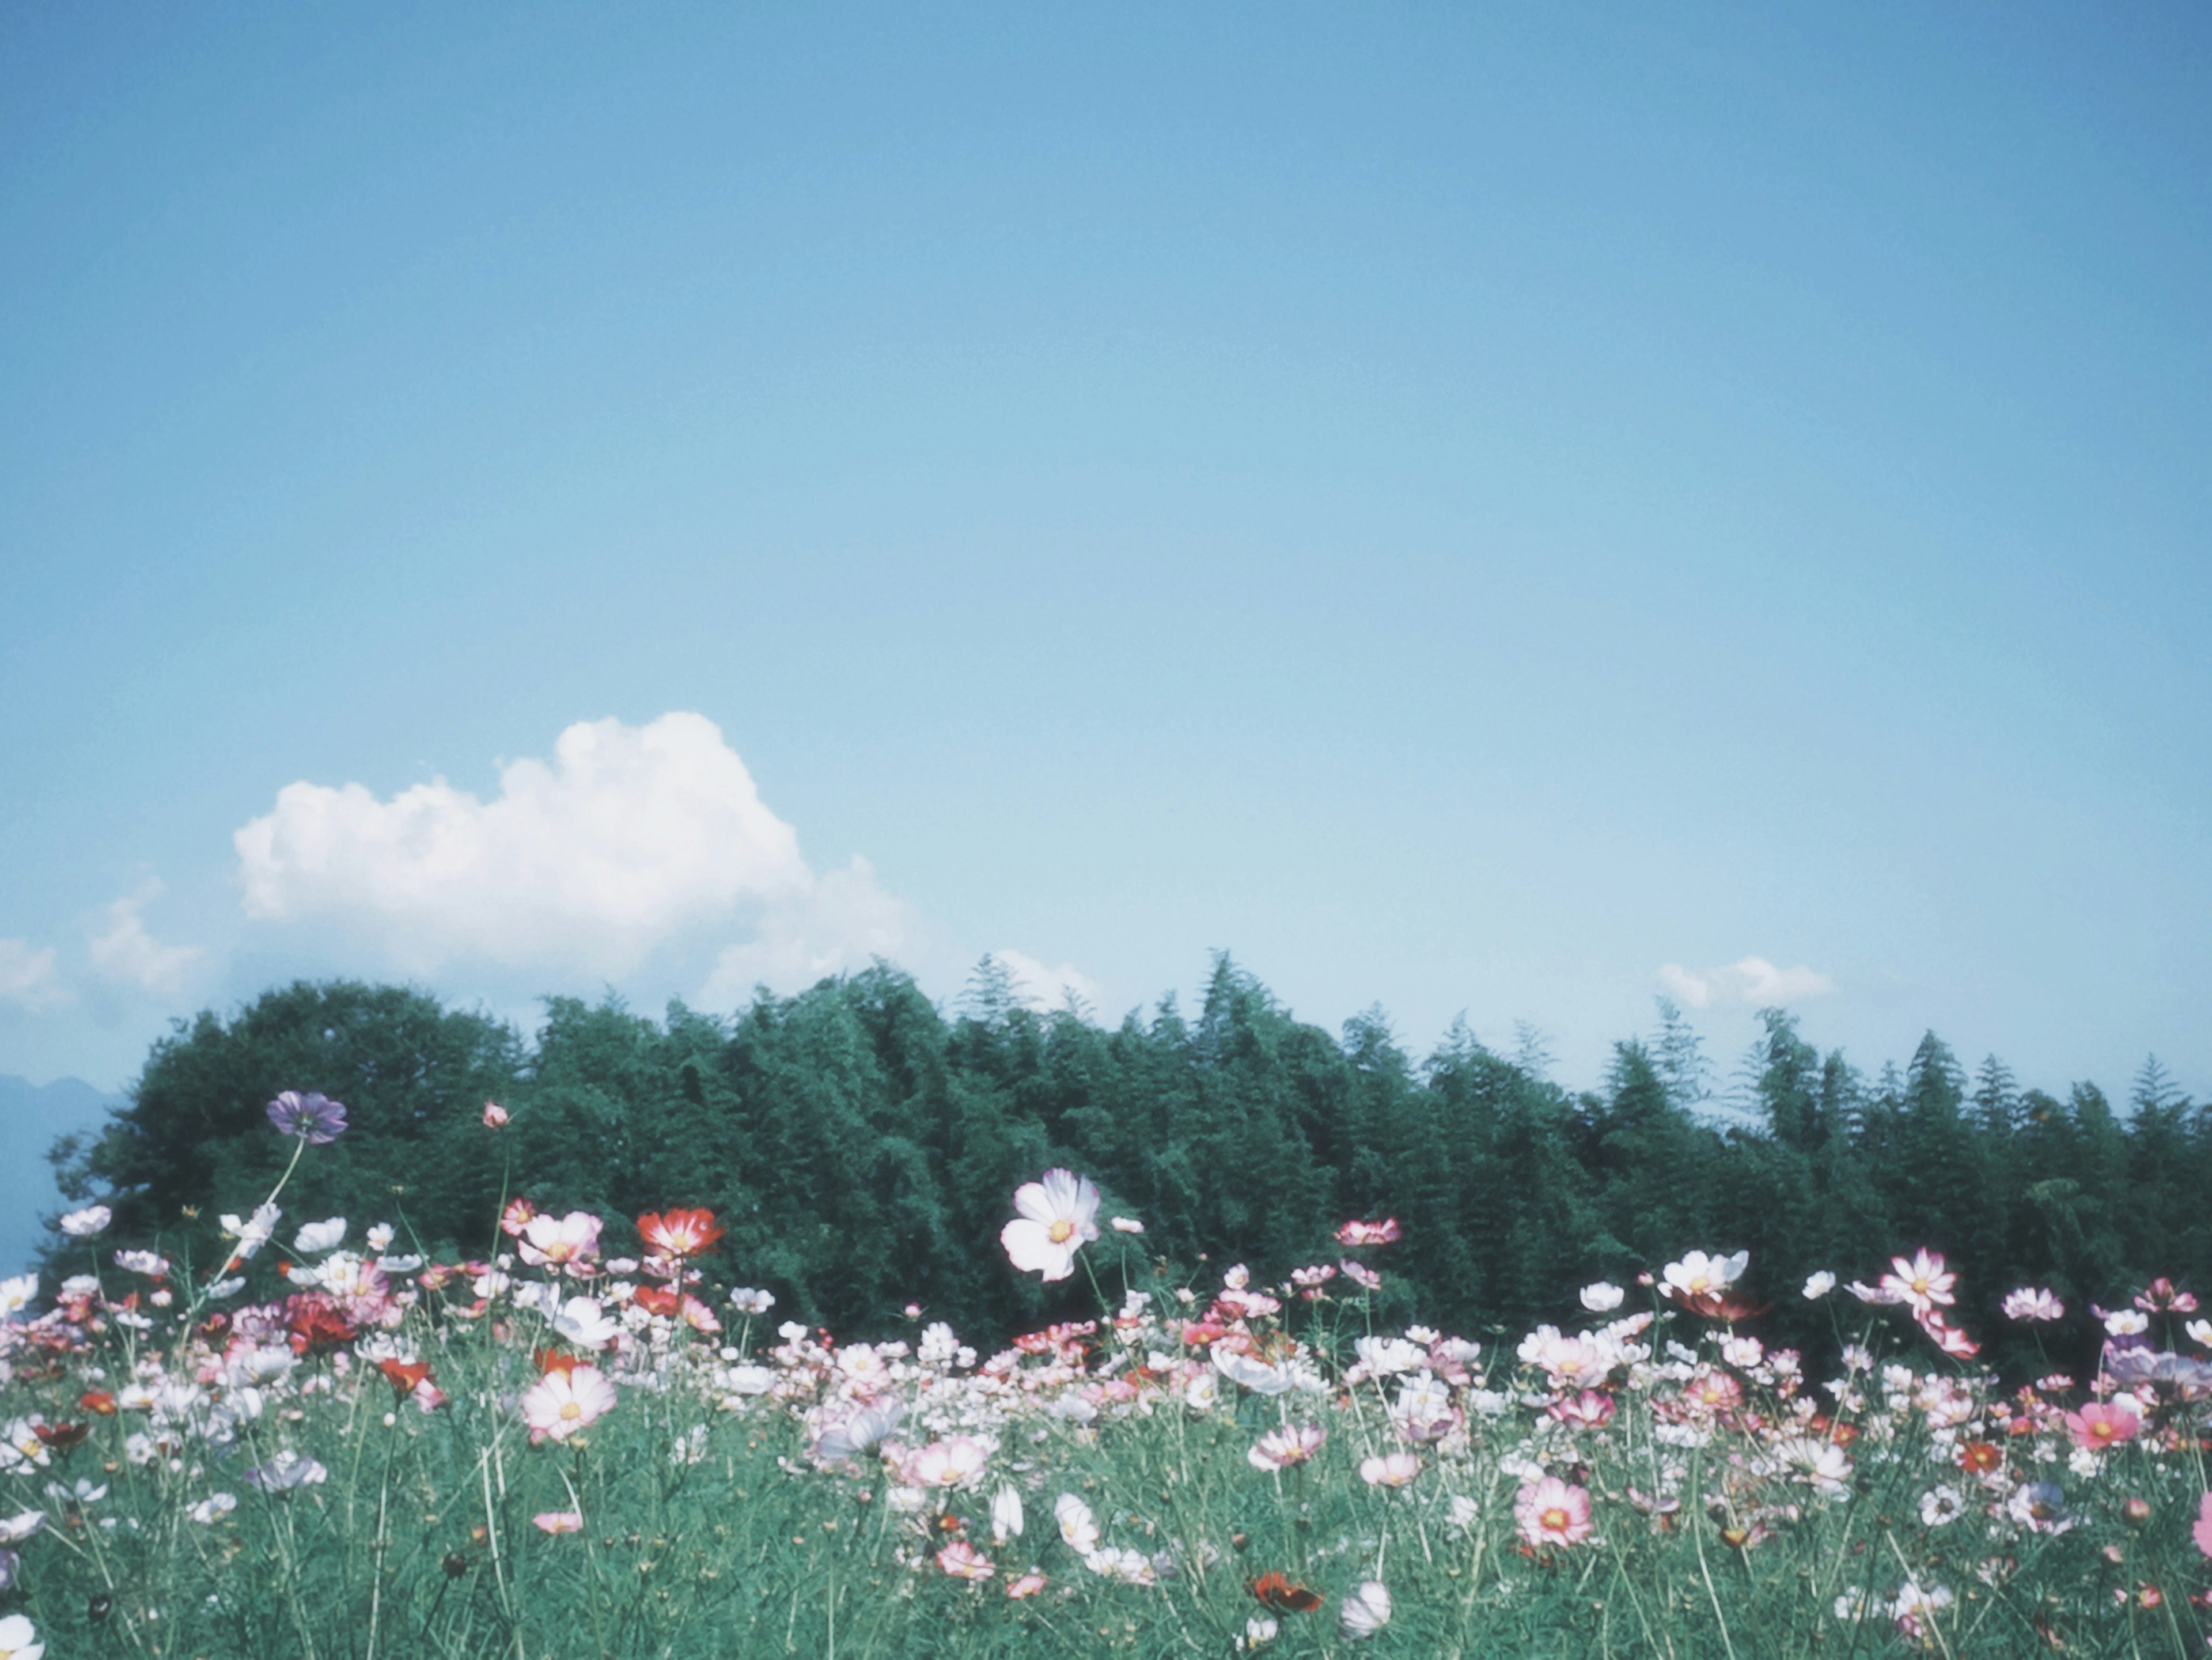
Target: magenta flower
(2201, 1533)
(315, 1117)
(2100, 1424)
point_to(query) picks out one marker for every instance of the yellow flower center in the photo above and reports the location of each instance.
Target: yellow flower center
(1555, 1520)
(570, 1409)
(1060, 1232)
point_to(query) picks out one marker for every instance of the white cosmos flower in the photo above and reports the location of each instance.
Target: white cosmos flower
(1820, 1286)
(1058, 1216)
(83, 1223)
(19, 1640)
(1603, 1298)
(1367, 1610)
(1077, 1524)
(318, 1237)
(1005, 1516)
(1698, 1272)
(254, 1232)
(583, 1323)
(15, 1294)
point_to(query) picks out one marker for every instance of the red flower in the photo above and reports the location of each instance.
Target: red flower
(316, 1323)
(1279, 1593)
(98, 1401)
(61, 1435)
(555, 1360)
(679, 1232)
(1980, 1457)
(404, 1375)
(657, 1299)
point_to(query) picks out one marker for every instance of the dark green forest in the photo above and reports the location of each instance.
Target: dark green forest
(862, 1148)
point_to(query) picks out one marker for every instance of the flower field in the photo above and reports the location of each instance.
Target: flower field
(595, 1439)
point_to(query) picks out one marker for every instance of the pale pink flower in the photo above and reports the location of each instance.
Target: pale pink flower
(1292, 1445)
(1383, 1233)
(1552, 1512)
(2201, 1533)
(2100, 1424)
(1392, 1470)
(953, 1463)
(559, 1521)
(963, 1561)
(1059, 1215)
(1360, 1275)
(563, 1401)
(1028, 1585)
(494, 1115)
(569, 1242)
(1077, 1527)
(1921, 1280)
(1588, 1410)
(2030, 1303)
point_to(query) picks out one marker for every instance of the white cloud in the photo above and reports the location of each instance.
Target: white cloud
(1754, 980)
(843, 920)
(124, 952)
(633, 838)
(1044, 988)
(26, 976)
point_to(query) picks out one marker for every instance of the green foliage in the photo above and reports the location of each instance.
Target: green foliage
(862, 1148)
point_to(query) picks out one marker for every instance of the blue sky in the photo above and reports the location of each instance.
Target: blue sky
(1465, 508)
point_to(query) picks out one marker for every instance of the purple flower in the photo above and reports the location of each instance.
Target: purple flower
(314, 1116)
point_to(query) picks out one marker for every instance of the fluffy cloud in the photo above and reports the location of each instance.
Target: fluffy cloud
(26, 976)
(1754, 980)
(126, 954)
(1044, 988)
(632, 838)
(841, 923)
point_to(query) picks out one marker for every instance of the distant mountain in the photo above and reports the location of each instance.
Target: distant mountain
(31, 1117)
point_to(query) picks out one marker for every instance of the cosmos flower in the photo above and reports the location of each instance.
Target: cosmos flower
(2030, 1303)
(678, 1232)
(1920, 1280)
(317, 1238)
(558, 1521)
(1392, 1470)
(571, 1242)
(1356, 1234)
(963, 1561)
(83, 1223)
(1028, 1585)
(494, 1115)
(1077, 1527)
(313, 1117)
(19, 1640)
(561, 1403)
(1292, 1445)
(2103, 1424)
(747, 1300)
(1700, 1273)
(1059, 1215)
(1006, 1518)
(1552, 1512)
(214, 1505)
(2201, 1531)
(954, 1462)
(1603, 1298)
(1366, 1611)
(1818, 1286)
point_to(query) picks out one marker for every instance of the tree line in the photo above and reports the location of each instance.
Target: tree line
(861, 1146)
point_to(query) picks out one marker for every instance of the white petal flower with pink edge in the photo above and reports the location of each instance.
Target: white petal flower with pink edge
(1366, 1611)
(1058, 1216)
(564, 1401)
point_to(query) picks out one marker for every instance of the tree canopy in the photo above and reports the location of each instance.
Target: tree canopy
(861, 1147)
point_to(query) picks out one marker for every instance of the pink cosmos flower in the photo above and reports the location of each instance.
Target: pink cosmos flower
(1921, 1280)
(1946, 1336)
(563, 1401)
(2103, 1424)
(1392, 1470)
(1360, 1275)
(2160, 1296)
(1590, 1410)
(1292, 1445)
(494, 1115)
(2032, 1303)
(1383, 1233)
(1058, 1216)
(2201, 1533)
(559, 1521)
(1028, 1585)
(1552, 1512)
(954, 1462)
(572, 1241)
(963, 1561)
